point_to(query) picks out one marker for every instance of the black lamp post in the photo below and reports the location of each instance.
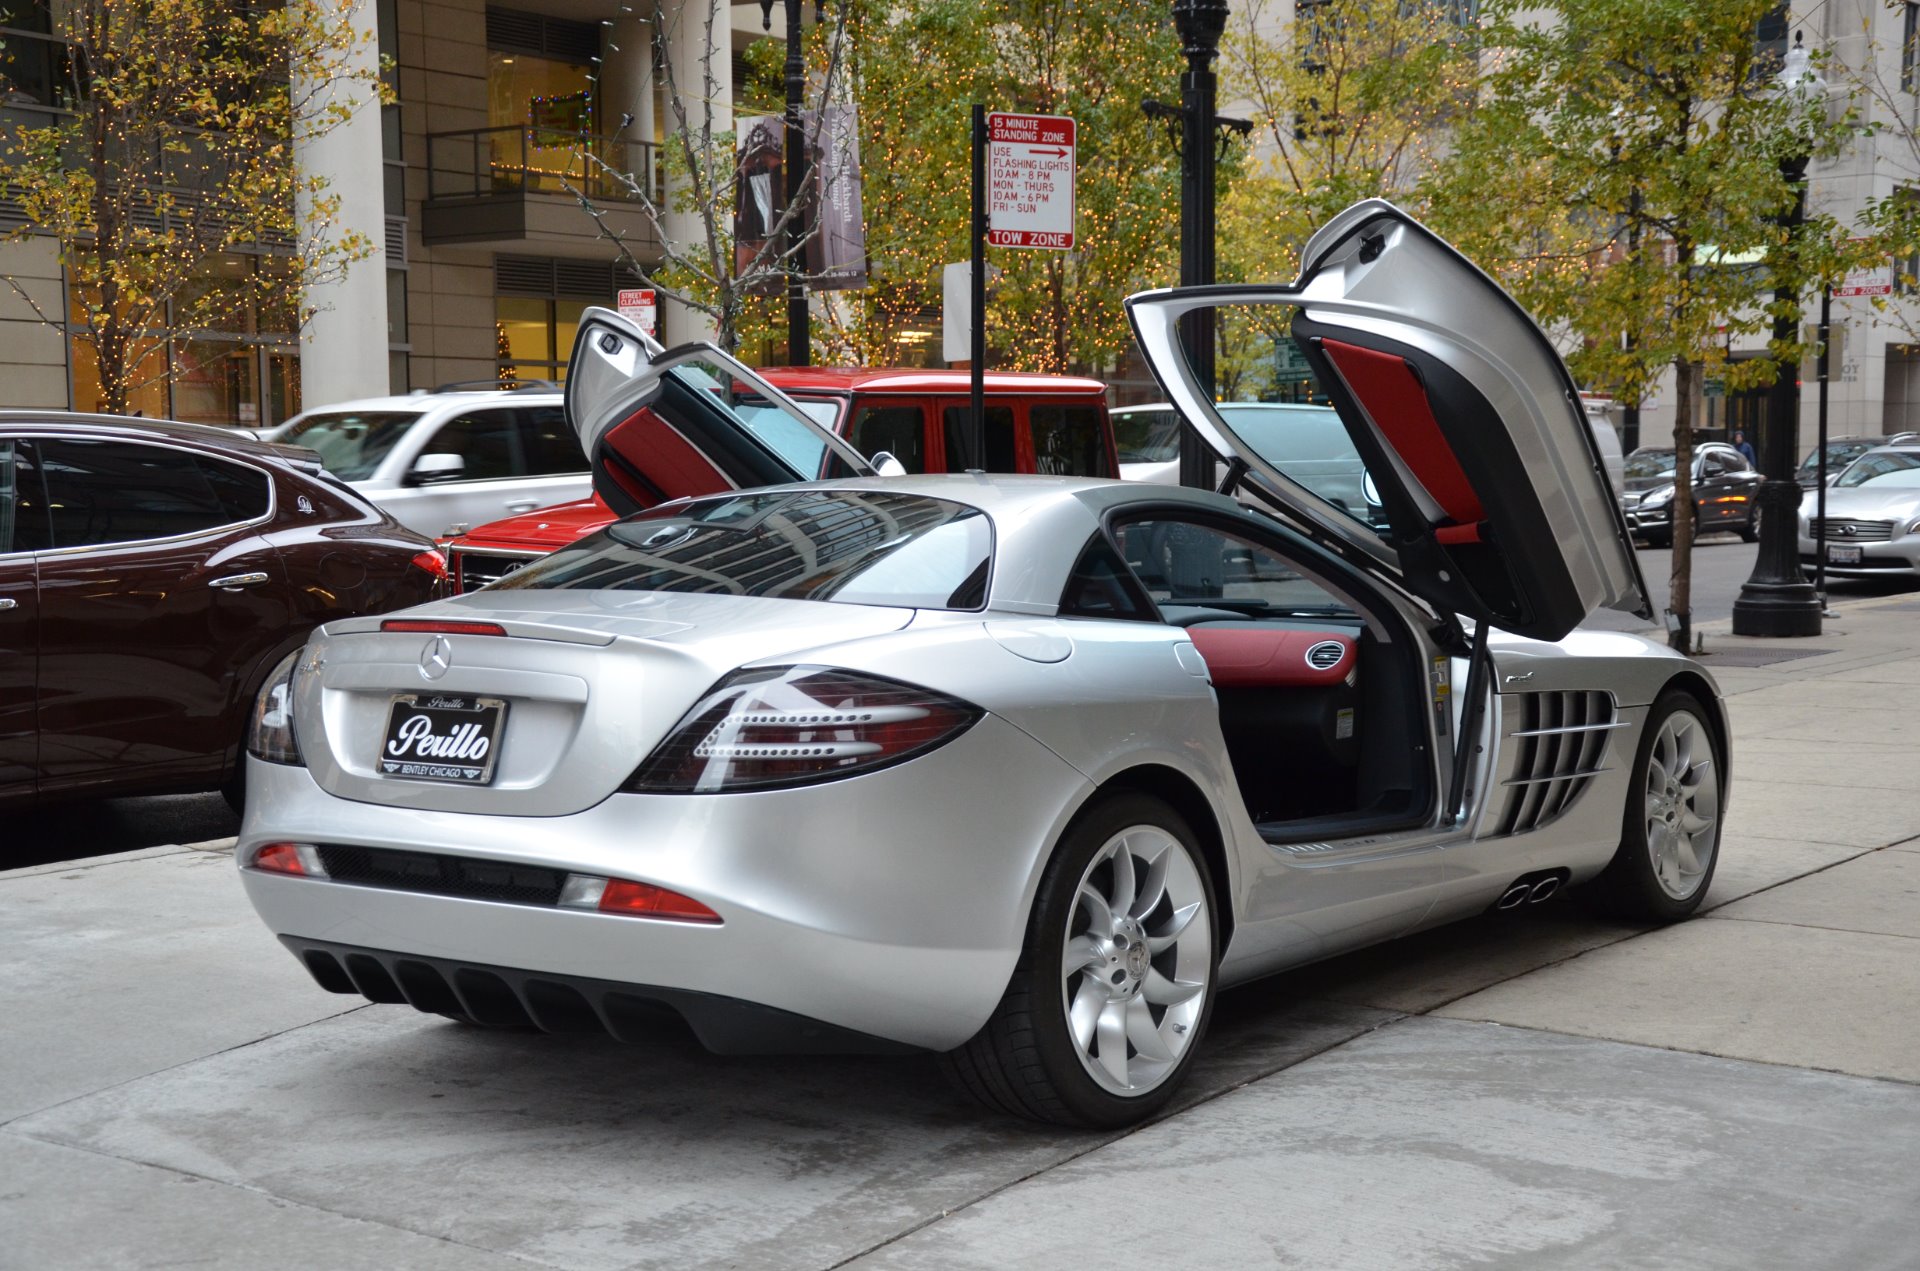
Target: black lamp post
(1200, 23)
(799, 337)
(1777, 599)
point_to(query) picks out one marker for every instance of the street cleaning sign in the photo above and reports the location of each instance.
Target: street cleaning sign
(1031, 162)
(640, 305)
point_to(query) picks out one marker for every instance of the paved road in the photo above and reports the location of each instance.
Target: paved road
(1721, 562)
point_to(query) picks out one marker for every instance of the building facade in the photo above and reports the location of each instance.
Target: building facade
(484, 260)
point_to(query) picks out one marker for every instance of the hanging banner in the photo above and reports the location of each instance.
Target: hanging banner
(835, 255)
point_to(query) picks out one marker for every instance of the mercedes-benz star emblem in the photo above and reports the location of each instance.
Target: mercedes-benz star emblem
(435, 658)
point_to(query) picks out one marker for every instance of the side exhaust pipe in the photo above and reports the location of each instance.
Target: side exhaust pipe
(1514, 897)
(1543, 889)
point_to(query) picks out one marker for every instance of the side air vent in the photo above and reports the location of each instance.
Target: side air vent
(1558, 743)
(1326, 655)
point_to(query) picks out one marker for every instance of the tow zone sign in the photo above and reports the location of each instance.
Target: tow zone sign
(1031, 163)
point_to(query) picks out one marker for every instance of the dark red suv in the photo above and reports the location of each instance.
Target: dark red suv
(150, 576)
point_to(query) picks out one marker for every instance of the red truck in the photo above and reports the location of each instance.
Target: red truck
(1035, 423)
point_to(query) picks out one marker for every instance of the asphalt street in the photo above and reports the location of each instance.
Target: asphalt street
(1536, 1090)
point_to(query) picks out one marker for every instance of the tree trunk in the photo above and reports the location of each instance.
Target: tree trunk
(1686, 375)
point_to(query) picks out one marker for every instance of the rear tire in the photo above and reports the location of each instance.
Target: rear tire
(1670, 833)
(1115, 984)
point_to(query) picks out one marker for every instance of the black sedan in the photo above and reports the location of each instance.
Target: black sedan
(1724, 485)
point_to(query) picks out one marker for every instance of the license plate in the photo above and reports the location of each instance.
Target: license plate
(1837, 555)
(435, 737)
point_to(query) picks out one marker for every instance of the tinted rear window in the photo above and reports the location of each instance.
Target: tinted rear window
(1067, 441)
(855, 547)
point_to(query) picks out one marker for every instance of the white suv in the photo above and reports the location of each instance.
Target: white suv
(446, 460)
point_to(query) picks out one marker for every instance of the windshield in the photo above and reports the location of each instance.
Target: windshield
(1873, 466)
(351, 444)
(1649, 463)
(854, 547)
(1147, 436)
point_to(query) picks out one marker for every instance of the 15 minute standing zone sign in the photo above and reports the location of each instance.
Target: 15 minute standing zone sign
(1030, 174)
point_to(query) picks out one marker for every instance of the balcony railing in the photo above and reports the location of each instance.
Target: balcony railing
(484, 163)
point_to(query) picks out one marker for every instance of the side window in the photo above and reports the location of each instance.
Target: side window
(101, 492)
(244, 492)
(1000, 454)
(1194, 563)
(23, 511)
(899, 430)
(551, 446)
(1716, 464)
(1100, 587)
(485, 439)
(1067, 441)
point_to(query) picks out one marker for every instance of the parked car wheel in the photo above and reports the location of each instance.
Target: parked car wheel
(1750, 532)
(1658, 538)
(1115, 984)
(1670, 835)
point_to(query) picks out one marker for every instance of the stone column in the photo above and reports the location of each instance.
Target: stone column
(702, 79)
(626, 89)
(343, 350)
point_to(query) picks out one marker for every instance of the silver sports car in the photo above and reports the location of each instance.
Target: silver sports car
(1872, 526)
(1024, 770)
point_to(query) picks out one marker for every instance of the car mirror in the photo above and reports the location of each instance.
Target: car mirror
(428, 469)
(886, 464)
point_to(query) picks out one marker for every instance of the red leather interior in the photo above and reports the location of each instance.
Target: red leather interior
(674, 467)
(1393, 396)
(1268, 657)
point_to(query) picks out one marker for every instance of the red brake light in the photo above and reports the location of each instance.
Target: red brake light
(433, 562)
(648, 901)
(300, 859)
(438, 626)
(786, 726)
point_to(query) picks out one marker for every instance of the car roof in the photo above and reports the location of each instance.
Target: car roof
(913, 379)
(139, 428)
(421, 403)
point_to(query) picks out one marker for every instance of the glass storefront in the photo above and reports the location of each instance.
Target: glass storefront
(243, 371)
(535, 336)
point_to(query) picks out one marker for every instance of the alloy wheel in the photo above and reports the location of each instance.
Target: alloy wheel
(1137, 960)
(1682, 801)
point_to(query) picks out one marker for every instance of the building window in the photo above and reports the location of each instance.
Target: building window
(1910, 47)
(537, 307)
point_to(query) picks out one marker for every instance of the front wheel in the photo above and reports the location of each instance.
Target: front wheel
(1670, 836)
(1750, 532)
(1104, 1013)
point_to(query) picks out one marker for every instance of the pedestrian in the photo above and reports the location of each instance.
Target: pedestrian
(1745, 448)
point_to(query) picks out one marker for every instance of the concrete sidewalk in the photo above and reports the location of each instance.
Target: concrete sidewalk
(1542, 1090)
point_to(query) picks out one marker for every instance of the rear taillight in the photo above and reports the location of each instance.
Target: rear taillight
(301, 859)
(270, 727)
(635, 900)
(433, 562)
(438, 626)
(769, 727)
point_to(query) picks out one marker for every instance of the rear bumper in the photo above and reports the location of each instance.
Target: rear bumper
(892, 905)
(504, 997)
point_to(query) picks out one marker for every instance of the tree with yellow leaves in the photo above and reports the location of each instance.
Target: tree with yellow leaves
(175, 148)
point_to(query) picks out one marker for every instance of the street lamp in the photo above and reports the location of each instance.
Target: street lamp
(799, 338)
(1777, 599)
(1200, 24)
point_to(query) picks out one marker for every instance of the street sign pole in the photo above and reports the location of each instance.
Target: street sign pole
(977, 284)
(1820, 460)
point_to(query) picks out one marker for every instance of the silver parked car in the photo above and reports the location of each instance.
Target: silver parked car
(445, 461)
(1872, 527)
(1024, 770)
